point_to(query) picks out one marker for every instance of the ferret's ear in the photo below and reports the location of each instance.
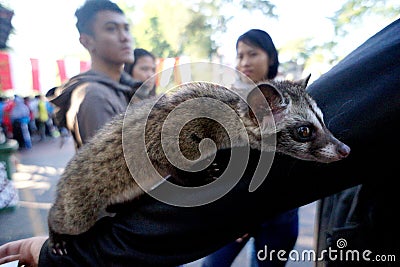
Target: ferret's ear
(303, 82)
(266, 100)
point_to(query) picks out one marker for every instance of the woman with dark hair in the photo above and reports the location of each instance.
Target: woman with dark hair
(143, 69)
(257, 60)
(261, 49)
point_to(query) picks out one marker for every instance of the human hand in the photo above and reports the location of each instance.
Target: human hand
(25, 250)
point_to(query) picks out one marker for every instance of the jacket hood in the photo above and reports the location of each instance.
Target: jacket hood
(61, 96)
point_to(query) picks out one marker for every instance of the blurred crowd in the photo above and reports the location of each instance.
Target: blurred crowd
(27, 119)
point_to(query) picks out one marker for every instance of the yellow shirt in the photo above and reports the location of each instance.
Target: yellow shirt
(43, 115)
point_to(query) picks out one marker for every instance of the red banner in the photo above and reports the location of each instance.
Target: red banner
(84, 66)
(177, 72)
(61, 70)
(159, 69)
(35, 74)
(5, 72)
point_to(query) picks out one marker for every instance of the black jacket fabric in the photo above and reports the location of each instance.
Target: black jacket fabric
(364, 215)
(360, 98)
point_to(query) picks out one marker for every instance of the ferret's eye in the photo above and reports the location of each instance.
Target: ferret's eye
(304, 133)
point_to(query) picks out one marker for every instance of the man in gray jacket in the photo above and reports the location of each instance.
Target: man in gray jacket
(89, 100)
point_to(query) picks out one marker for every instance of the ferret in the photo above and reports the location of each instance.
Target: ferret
(109, 168)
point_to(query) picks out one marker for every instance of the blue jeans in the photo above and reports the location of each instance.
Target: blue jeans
(21, 132)
(279, 233)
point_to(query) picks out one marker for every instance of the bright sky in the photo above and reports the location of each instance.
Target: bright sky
(300, 19)
(296, 19)
(46, 28)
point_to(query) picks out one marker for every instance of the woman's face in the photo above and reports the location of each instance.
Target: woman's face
(144, 68)
(252, 61)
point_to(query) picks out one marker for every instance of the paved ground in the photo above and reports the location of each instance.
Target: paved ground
(36, 173)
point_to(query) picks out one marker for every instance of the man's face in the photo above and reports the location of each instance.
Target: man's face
(111, 41)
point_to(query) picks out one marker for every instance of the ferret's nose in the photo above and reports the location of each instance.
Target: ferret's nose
(343, 150)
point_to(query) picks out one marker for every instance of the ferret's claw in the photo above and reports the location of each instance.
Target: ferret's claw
(59, 249)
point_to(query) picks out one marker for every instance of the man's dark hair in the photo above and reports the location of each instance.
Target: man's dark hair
(86, 14)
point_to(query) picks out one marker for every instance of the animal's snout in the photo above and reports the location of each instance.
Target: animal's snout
(343, 150)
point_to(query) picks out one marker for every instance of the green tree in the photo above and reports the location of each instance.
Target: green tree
(354, 11)
(301, 54)
(177, 27)
(352, 14)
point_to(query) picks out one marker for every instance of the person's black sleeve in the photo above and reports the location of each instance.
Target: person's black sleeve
(360, 97)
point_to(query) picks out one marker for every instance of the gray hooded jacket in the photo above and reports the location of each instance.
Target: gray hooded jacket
(89, 100)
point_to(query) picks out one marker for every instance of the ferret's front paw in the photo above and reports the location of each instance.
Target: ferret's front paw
(214, 171)
(58, 244)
